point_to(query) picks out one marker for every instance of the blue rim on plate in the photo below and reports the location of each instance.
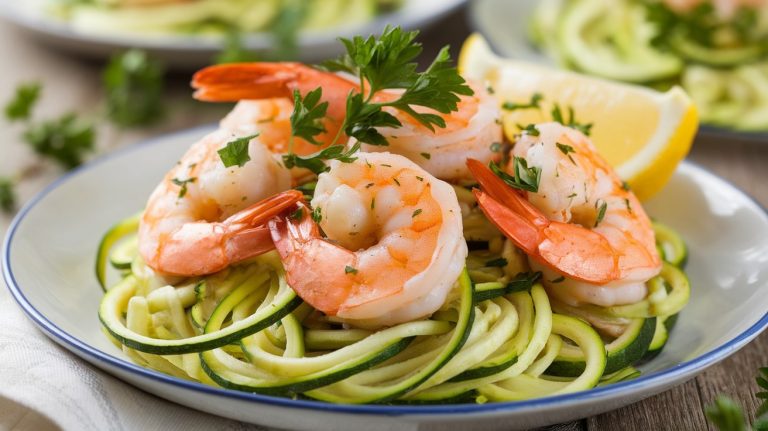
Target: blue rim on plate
(63, 337)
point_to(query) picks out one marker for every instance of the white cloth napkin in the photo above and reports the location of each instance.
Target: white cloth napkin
(63, 391)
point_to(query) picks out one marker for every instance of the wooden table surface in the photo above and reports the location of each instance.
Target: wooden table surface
(73, 84)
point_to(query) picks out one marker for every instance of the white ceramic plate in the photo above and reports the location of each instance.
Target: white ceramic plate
(49, 259)
(191, 51)
(506, 23)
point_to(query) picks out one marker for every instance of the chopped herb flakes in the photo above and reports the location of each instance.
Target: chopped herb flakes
(498, 263)
(183, 185)
(534, 103)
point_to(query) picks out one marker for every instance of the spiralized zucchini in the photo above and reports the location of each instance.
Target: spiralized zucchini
(497, 339)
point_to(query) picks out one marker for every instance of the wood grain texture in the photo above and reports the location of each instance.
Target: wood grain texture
(71, 84)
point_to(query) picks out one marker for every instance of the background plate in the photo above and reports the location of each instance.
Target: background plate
(192, 52)
(48, 265)
(505, 24)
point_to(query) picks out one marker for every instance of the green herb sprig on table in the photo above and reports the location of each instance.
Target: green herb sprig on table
(133, 86)
(382, 63)
(726, 415)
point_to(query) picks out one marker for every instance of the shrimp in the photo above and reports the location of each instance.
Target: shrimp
(471, 131)
(726, 9)
(582, 229)
(265, 95)
(394, 246)
(203, 216)
(474, 131)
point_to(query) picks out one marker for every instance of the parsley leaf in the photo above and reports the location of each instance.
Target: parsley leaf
(20, 107)
(183, 185)
(236, 152)
(763, 394)
(363, 118)
(534, 103)
(525, 178)
(316, 162)
(285, 29)
(437, 88)
(557, 115)
(523, 282)
(726, 415)
(7, 195)
(350, 270)
(308, 114)
(499, 263)
(233, 50)
(601, 213)
(416, 212)
(388, 62)
(133, 84)
(565, 149)
(317, 214)
(530, 129)
(65, 140)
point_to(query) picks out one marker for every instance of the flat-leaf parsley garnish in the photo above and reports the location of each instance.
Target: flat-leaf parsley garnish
(235, 153)
(386, 62)
(525, 178)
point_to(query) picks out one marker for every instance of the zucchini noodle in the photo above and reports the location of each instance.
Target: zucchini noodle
(499, 337)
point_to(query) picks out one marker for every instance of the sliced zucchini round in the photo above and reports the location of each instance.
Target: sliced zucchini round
(117, 232)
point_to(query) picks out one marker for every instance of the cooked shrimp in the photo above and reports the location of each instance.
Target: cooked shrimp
(195, 222)
(587, 234)
(725, 9)
(394, 248)
(472, 131)
(265, 92)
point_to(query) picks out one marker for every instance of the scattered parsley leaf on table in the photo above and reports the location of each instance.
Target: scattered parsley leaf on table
(286, 27)
(133, 84)
(20, 107)
(7, 195)
(233, 50)
(66, 140)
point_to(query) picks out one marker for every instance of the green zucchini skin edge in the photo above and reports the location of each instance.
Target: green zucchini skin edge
(615, 361)
(294, 388)
(114, 234)
(275, 316)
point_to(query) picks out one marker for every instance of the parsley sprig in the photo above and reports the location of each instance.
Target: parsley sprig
(557, 115)
(525, 178)
(726, 415)
(388, 62)
(534, 103)
(133, 83)
(25, 98)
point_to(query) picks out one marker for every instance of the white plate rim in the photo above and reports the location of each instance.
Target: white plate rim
(676, 373)
(50, 26)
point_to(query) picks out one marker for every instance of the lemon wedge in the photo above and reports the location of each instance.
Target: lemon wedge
(643, 133)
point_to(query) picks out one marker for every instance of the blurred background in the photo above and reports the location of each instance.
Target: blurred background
(82, 78)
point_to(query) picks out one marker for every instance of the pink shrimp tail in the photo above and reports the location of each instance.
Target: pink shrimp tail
(306, 257)
(253, 81)
(204, 248)
(570, 249)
